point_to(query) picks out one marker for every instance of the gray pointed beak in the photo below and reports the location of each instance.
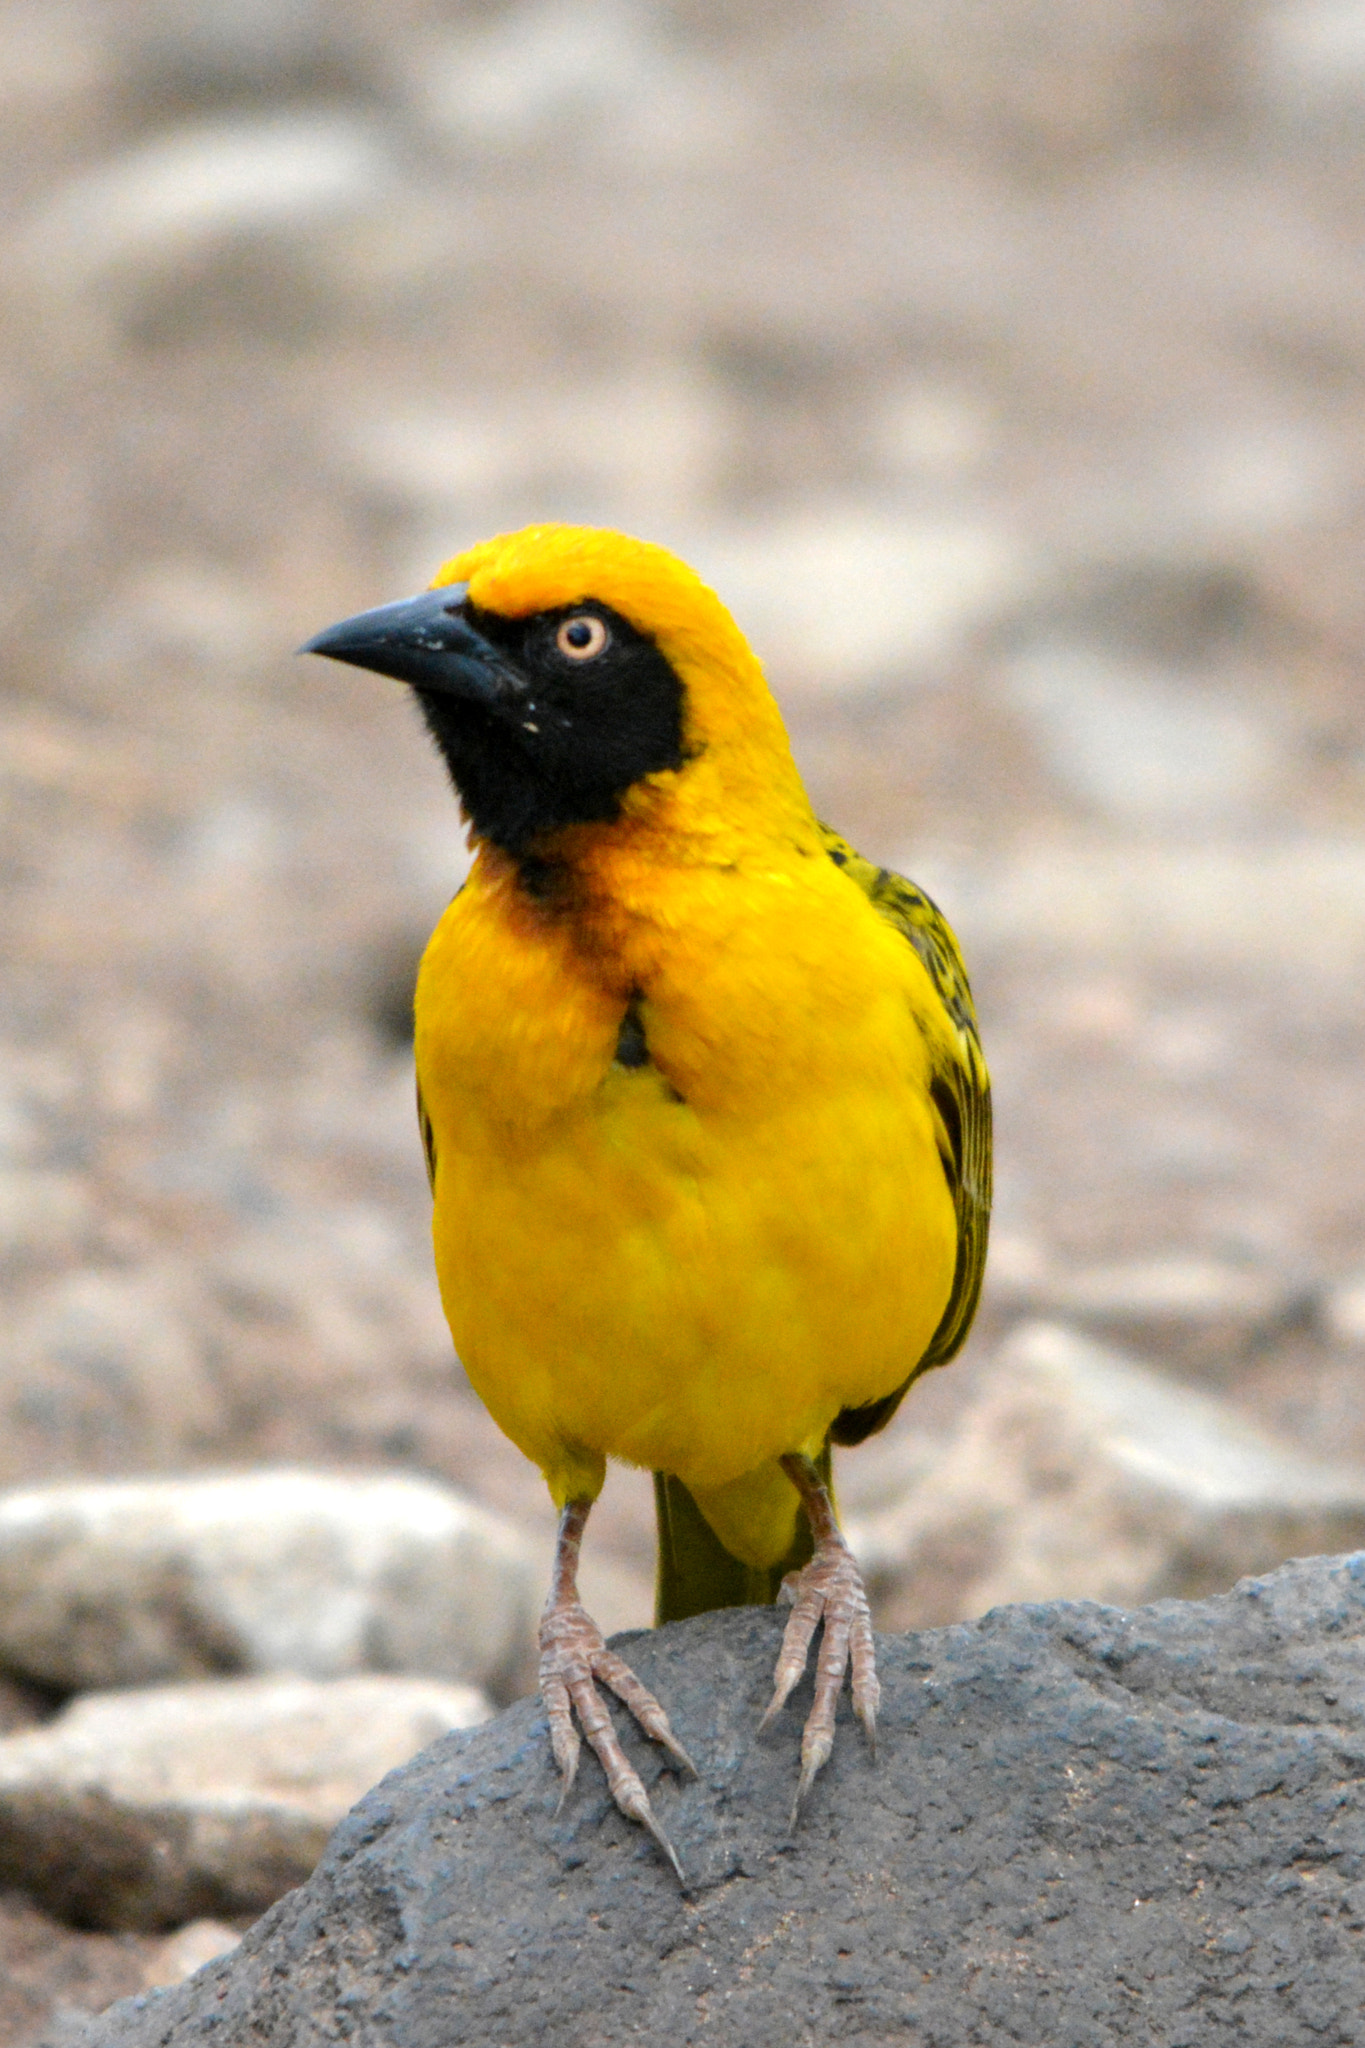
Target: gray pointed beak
(424, 641)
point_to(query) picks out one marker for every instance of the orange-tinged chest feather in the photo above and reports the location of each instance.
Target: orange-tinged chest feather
(695, 1262)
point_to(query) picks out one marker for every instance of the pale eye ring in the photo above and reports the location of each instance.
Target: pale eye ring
(581, 637)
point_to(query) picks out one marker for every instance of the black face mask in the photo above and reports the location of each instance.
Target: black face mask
(543, 722)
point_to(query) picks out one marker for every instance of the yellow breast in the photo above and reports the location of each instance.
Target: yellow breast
(695, 1263)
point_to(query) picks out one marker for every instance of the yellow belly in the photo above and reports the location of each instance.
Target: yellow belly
(695, 1285)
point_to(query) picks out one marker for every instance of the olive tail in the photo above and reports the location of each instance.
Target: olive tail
(696, 1572)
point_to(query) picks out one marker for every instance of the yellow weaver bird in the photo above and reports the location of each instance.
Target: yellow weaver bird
(704, 1107)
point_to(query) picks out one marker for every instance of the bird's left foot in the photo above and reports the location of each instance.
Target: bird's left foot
(829, 1588)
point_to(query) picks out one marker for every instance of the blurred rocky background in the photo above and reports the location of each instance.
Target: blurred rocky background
(1005, 369)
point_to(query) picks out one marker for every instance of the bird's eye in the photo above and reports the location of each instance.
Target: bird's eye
(581, 637)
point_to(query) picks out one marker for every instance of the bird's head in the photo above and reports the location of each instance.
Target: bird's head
(572, 676)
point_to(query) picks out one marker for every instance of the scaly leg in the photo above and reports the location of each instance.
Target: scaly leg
(572, 1655)
(830, 1586)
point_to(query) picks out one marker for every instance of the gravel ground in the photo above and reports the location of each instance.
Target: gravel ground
(47, 1970)
(1005, 373)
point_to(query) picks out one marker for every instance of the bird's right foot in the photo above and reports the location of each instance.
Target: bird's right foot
(830, 1590)
(573, 1655)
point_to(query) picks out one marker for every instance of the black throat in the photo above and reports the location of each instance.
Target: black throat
(566, 750)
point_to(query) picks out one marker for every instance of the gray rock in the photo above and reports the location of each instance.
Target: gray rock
(1079, 1474)
(1083, 1827)
(134, 1582)
(142, 1809)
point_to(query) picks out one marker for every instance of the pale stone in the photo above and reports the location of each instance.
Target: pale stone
(161, 204)
(1194, 1304)
(1141, 741)
(1079, 1474)
(1293, 903)
(42, 1214)
(656, 439)
(150, 1807)
(187, 1950)
(604, 72)
(1312, 60)
(134, 1582)
(926, 431)
(913, 591)
(1344, 1313)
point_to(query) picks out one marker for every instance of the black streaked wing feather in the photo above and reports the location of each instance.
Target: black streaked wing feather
(424, 1121)
(428, 1138)
(961, 1092)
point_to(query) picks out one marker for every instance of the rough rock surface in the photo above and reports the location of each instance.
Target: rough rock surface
(144, 1809)
(323, 1574)
(1084, 1827)
(1078, 1473)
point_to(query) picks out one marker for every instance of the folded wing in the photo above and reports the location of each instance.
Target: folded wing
(961, 1092)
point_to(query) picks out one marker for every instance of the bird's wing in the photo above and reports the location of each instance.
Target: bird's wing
(961, 1092)
(424, 1123)
(428, 1138)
